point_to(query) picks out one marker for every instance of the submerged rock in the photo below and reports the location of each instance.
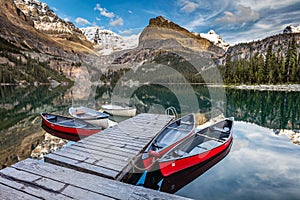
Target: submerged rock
(50, 144)
(203, 123)
(294, 135)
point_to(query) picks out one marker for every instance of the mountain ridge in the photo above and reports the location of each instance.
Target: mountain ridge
(161, 32)
(292, 29)
(107, 42)
(34, 28)
(47, 22)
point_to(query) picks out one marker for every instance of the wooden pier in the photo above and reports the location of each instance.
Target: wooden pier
(89, 169)
(110, 153)
(31, 179)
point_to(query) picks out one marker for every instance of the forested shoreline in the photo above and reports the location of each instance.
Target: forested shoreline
(278, 67)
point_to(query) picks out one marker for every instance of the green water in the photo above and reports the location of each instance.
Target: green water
(260, 164)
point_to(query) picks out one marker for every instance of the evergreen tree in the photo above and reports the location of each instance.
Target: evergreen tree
(228, 70)
(260, 71)
(268, 69)
(293, 60)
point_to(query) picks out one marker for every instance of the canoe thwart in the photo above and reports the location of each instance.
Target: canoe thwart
(206, 136)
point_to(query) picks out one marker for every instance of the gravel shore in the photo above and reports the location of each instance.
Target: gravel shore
(285, 87)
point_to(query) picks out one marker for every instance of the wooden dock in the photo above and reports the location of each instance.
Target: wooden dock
(111, 152)
(89, 169)
(32, 179)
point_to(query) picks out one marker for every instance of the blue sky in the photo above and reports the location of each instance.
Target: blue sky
(236, 21)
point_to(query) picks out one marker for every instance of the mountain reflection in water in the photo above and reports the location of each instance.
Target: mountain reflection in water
(175, 182)
(260, 165)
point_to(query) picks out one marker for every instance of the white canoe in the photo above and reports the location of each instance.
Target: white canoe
(127, 111)
(90, 115)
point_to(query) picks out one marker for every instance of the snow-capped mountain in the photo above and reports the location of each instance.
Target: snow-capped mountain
(107, 41)
(292, 29)
(45, 20)
(215, 39)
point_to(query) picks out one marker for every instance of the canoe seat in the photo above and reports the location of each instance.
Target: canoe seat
(222, 130)
(78, 112)
(210, 136)
(186, 123)
(179, 153)
(179, 129)
(51, 117)
(71, 123)
(159, 145)
(205, 146)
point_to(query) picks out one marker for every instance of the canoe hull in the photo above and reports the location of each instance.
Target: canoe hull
(150, 160)
(99, 122)
(89, 115)
(67, 129)
(170, 167)
(176, 181)
(170, 136)
(119, 111)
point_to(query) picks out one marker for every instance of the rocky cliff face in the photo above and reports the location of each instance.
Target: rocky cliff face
(23, 31)
(215, 39)
(107, 42)
(46, 21)
(23, 41)
(279, 44)
(16, 26)
(162, 33)
(292, 29)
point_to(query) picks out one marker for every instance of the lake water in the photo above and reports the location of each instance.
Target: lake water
(260, 164)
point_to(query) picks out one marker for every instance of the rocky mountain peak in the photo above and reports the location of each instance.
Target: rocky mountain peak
(165, 34)
(107, 41)
(211, 32)
(292, 29)
(159, 21)
(215, 39)
(45, 20)
(13, 13)
(165, 23)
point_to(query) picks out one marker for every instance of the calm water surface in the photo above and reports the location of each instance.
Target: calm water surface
(260, 164)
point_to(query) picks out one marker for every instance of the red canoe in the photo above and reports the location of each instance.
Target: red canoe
(167, 138)
(69, 125)
(198, 148)
(175, 182)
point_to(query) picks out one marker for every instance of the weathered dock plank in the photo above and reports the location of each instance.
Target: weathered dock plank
(31, 179)
(82, 166)
(11, 193)
(103, 145)
(110, 153)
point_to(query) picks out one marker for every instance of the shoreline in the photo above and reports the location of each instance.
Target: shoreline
(293, 135)
(260, 87)
(264, 87)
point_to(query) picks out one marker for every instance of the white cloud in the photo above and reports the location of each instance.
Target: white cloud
(269, 4)
(82, 21)
(117, 22)
(129, 11)
(125, 32)
(204, 14)
(243, 14)
(188, 6)
(104, 12)
(199, 21)
(66, 19)
(131, 31)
